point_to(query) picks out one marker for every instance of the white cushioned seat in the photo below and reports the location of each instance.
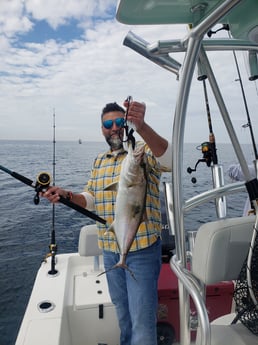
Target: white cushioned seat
(220, 249)
(219, 252)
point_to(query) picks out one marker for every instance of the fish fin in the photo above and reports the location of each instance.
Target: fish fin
(112, 187)
(119, 265)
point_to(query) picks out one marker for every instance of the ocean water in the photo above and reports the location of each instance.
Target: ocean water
(25, 228)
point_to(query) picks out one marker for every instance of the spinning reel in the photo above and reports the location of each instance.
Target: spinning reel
(207, 152)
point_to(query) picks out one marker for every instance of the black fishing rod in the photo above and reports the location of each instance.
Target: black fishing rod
(53, 245)
(41, 185)
(212, 141)
(209, 149)
(249, 123)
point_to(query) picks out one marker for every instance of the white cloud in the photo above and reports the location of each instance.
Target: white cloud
(12, 18)
(59, 12)
(78, 77)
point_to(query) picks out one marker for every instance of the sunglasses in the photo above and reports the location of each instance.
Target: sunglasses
(109, 123)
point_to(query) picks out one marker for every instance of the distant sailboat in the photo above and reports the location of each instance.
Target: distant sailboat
(80, 141)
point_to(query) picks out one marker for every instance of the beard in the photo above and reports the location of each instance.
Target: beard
(114, 141)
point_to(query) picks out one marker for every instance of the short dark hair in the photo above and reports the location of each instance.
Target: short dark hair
(112, 107)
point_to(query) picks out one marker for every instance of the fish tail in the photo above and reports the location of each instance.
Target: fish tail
(121, 265)
(129, 270)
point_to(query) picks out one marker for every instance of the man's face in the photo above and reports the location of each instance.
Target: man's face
(112, 129)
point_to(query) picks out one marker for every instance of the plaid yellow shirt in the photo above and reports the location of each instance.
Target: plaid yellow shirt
(106, 170)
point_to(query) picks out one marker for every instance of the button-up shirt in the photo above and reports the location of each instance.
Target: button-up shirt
(106, 170)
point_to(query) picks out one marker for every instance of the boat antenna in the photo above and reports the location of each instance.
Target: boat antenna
(53, 245)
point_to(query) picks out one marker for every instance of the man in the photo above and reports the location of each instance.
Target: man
(235, 173)
(135, 299)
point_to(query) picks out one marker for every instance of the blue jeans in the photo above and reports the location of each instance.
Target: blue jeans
(136, 300)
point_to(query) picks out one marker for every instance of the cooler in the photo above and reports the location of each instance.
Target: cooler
(218, 302)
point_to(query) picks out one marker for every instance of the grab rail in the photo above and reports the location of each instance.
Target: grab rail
(193, 288)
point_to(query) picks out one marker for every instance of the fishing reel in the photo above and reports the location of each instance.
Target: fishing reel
(42, 183)
(207, 152)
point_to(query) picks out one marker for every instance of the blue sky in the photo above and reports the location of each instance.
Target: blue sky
(67, 56)
(42, 31)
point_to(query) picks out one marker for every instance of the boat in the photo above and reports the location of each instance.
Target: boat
(70, 304)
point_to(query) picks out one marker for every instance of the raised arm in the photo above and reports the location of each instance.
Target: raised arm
(136, 114)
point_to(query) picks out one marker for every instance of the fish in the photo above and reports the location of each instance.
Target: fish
(130, 209)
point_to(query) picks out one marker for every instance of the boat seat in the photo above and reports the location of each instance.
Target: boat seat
(88, 241)
(220, 249)
(219, 252)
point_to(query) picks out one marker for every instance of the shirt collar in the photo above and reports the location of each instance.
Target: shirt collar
(116, 153)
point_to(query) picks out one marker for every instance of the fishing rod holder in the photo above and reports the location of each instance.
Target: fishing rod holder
(218, 181)
(52, 252)
(253, 65)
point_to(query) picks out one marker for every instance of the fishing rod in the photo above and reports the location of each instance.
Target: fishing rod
(252, 192)
(209, 149)
(249, 123)
(252, 189)
(41, 185)
(212, 141)
(53, 245)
